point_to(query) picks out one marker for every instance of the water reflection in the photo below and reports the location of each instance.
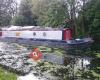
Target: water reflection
(67, 64)
(28, 77)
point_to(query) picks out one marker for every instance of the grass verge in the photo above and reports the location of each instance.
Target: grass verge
(5, 75)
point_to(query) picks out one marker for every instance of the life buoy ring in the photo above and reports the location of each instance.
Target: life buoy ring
(35, 54)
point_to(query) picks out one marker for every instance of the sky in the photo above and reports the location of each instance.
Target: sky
(18, 1)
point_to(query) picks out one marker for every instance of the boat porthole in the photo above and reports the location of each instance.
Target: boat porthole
(34, 34)
(44, 34)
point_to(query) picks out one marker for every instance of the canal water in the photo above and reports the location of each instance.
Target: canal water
(15, 56)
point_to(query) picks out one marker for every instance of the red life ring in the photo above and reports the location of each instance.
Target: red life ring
(35, 54)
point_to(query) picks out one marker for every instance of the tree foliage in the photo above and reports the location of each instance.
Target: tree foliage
(8, 9)
(91, 17)
(25, 16)
(50, 12)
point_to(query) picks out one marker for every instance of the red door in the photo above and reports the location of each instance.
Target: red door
(67, 34)
(0, 33)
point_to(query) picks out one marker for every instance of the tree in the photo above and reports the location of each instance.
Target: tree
(8, 9)
(25, 16)
(74, 7)
(50, 12)
(72, 13)
(91, 18)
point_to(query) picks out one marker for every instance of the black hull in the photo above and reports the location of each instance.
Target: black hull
(50, 43)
